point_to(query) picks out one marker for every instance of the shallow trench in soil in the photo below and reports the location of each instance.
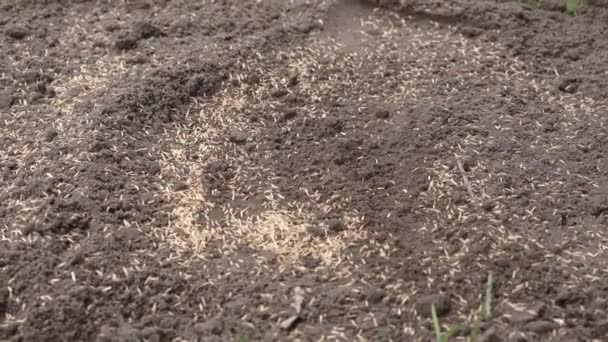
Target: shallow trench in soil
(305, 170)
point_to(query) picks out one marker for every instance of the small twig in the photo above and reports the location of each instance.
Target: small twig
(488, 302)
(466, 180)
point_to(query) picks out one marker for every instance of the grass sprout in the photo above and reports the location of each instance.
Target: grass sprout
(571, 5)
(481, 314)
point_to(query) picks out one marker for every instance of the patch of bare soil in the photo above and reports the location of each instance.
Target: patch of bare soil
(303, 170)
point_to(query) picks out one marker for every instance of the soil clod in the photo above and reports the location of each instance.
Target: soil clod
(238, 137)
(541, 326)
(290, 114)
(50, 134)
(6, 99)
(424, 304)
(383, 114)
(16, 31)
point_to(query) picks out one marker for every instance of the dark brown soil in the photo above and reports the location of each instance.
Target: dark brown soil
(302, 170)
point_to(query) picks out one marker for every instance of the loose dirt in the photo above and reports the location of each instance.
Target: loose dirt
(302, 170)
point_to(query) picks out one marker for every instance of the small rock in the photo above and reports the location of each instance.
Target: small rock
(6, 99)
(111, 26)
(168, 323)
(471, 31)
(310, 261)
(126, 42)
(213, 326)
(181, 186)
(521, 313)
(293, 79)
(144, 29)
(374, 32)
(279, 93)
(517, 336)
(333, 122)
(107, 331)
(336, 226)
(154, 169)
(17, 32)
(3, 302)
(569, 85)
(138, 59)
(541, 326)
(238, 137)
(290, 114)
(567, 296)
(50, 134)
(376, 295)
(151, 334)
(442, 305)
(250, 147)
(488, 205)
(601, 328)
(315, 231)
(383, 114)
(74, 91)
(126, 332)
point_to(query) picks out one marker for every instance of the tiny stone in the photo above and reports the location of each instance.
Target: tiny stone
(279, 93)
(168, 323)
(238, 137)
(315, 231)
(154, 169)
(541, 327)
(375, 295)
(310, 261)
(383, 114)
(290, 114)
(127, 42)
(601, 328)
(16, 32)
(293, 79)
(488, 205)
(471, 32)
(181, 186)
(139, 59)
(6, 100)
(50, 134)
(336, 226)
(212, 326)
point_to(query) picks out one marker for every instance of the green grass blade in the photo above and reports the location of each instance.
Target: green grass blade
(572, 6)
(452, 331)
(530, 4)
(436, 325)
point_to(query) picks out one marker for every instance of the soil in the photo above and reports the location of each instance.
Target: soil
(302, 170)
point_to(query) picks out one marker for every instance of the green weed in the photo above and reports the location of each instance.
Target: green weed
(440, 335)
(482, 313)
(571, 5)
(530, 4)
